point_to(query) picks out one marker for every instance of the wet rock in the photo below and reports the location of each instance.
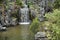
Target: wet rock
(33, 14)
(13, 21)
(7, 20)
(41, 19)
(2, 28)
(40, 36)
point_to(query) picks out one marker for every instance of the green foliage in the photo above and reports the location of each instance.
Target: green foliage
(19, 2)
(1, 0)
(30, 3)
(34, 26)
(53, 17)
(54, 24)
(57, 4)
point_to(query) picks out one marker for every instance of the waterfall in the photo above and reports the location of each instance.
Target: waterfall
(24, 15)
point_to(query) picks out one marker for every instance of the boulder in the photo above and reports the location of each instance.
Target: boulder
(40, 35)
(2, 28)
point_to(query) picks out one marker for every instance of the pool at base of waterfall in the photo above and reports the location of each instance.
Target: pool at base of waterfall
(19, 32)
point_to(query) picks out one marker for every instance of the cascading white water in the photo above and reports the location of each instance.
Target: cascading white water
(24, 15)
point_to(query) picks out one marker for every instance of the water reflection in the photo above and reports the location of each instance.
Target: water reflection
(20, 32)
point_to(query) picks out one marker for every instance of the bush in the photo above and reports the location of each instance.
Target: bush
(57, 4)
(34, 26)
(54, 26)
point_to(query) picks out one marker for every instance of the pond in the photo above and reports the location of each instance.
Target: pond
(20, 32)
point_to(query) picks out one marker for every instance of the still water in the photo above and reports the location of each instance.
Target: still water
(20, 32)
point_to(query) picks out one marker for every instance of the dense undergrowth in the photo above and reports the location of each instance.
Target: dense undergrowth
(52, 23)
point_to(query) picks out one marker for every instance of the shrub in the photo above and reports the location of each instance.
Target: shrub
(34, 26)
(54, 26)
